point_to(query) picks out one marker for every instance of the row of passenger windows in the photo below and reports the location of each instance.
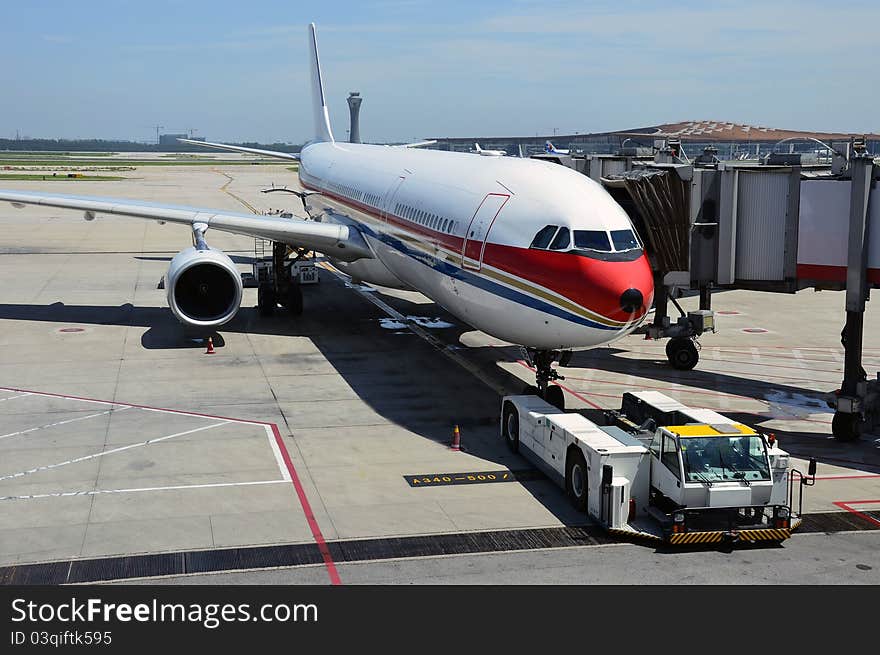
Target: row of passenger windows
(553, 237)
(371, 199)
(429, 220)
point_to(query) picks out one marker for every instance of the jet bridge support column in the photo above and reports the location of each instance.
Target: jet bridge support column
(859, 400)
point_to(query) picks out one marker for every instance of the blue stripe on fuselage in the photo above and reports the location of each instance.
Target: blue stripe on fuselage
(450, 270)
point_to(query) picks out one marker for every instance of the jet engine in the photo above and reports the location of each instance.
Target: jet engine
(204, 287)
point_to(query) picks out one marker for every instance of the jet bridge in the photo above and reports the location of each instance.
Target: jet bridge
(778, 228)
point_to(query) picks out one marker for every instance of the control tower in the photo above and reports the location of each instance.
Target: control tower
(354, 108)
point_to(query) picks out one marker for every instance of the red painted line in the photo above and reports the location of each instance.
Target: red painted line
(307, 509)
(846, 505)
(113, 402)
(787, 357)
(572, 392)
(317, 535)
(661, 344)
(753, 364)
(796, 368)
(686, 390)
(714, 409)
(775, 377)
(699, 392)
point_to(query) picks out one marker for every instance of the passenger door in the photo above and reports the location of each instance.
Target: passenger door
(390, 195)
(478, 230)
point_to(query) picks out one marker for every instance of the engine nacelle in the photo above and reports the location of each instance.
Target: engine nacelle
(204, 287)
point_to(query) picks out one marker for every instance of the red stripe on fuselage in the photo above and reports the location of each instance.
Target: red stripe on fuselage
(591, 283)
(588, 282)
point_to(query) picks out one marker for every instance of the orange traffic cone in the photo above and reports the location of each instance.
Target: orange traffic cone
(456, 439)
(210, 350)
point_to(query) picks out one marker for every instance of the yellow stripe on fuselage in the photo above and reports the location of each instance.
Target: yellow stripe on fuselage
(455, 258)
(524, 285)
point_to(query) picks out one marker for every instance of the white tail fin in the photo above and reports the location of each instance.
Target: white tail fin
(319, 103)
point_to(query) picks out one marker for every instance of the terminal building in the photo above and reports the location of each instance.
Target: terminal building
(730, 140)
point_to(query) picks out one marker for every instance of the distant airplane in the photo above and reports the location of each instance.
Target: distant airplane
(488, 153)
(525, 250)
(549, 147)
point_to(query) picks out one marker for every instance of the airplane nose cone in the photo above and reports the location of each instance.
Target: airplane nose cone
(631, 301)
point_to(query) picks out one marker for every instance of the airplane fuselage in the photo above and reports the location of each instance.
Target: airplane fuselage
(501, 243)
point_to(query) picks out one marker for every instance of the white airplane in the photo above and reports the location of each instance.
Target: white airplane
(550, 148)
(527, 251)
(488, 153)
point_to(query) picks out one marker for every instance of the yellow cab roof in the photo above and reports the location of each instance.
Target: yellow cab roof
(706, 430)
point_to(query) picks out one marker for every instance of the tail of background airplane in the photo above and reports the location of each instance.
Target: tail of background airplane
(319, 103)
(477, 147)
(548, 147)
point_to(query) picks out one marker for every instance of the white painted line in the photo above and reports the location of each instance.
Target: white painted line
(110, 452)
(63, 397)
(161, 410)
(95, 492)
(277, 452)
(21, 395)
(799, 358)
(52, 425)
(756, 355)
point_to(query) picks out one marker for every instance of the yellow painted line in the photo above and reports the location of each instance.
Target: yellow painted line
(228, 192)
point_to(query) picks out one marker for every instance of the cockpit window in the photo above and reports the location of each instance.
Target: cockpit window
(562, 240)
(592, 240)
(624, 240)
(544, 236)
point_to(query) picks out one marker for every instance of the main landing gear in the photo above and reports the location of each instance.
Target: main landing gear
(281, 287)
(542, 362)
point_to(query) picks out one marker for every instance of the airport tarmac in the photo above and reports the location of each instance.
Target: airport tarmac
(127, 452)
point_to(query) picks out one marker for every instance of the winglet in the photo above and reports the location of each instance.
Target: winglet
(319, 103)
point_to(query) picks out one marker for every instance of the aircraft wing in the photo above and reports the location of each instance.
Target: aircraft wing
(340, 241)
(417, 144)
(254, 151)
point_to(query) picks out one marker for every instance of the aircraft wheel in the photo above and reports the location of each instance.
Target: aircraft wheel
(510, 427)
(576, 479)
(846, 427)
(555, 396)
(682, 353)
(266, 299)
(295, 300)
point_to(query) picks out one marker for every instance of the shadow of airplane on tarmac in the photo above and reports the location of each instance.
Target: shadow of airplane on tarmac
(400, 376)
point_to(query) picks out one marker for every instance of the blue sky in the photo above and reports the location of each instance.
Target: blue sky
(238, 70)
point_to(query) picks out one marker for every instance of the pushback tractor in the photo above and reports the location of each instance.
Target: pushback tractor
(663, 471)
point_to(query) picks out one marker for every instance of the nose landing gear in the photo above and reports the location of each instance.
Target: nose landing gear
(545, 374)
(682, 353)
